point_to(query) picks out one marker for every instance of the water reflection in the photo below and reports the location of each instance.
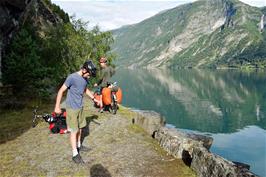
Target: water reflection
(203, 100)
(228, 105)
(247, 146)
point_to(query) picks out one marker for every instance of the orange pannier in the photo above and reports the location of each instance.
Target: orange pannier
(106, 93)
(107, 98)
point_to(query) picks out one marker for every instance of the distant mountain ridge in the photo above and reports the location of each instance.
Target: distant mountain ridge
(206, 33)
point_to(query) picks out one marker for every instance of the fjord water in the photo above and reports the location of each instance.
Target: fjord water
(228, 105)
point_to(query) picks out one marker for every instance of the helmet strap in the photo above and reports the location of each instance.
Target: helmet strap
(83, 73)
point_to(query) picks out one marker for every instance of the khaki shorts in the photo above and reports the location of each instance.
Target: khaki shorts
(75, 119)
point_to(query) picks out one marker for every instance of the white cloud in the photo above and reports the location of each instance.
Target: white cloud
(123, 0)
(111, 14)
(254, 2)
(258, 3)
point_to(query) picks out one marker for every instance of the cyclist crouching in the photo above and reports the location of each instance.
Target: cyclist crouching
(106, 73)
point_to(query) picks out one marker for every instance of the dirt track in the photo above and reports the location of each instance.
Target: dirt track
(118, 148)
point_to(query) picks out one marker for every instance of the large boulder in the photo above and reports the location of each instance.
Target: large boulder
(192, 148)
(205, 163)
(150, 125)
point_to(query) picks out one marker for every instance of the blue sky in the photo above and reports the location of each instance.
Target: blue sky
(112, 14)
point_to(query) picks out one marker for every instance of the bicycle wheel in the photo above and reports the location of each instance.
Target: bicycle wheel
(114, 107)
(34, 122)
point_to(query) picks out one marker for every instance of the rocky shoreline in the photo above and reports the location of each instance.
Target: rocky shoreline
(193, 149)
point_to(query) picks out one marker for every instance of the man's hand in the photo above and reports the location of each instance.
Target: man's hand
(57, 110)
(96, 101)
(95, 85)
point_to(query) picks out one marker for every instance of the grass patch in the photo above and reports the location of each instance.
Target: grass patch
(14, 122)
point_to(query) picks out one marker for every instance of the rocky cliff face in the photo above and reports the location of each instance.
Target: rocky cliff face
(13, 13)
(199, 34)
(262, 23)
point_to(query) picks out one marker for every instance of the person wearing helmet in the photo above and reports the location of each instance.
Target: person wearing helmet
(105, 75)
(76, 86)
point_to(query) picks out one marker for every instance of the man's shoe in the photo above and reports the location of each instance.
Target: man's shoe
(77, 159)
(101, 110)
(83, 149)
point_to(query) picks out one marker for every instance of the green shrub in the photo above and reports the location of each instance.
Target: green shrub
(35, 65)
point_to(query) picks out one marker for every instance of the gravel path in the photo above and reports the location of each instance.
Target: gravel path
(118, 148)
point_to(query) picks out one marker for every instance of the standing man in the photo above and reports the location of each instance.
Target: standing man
(105, 75)
(76, 84)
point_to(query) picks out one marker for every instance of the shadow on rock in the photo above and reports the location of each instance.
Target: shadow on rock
(186, 158)
(86, 130)
(99, 171)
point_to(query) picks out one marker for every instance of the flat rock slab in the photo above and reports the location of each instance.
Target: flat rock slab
(118, 148)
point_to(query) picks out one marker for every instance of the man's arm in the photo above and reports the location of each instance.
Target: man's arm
(101, 76)
(57, 108)
(88, 92)
(98, 83)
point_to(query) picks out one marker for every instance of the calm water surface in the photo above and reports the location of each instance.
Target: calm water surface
(228, 105)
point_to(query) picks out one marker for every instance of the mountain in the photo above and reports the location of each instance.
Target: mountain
(206, 33)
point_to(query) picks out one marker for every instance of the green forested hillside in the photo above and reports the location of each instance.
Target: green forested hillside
(47, 46)
(206, 33)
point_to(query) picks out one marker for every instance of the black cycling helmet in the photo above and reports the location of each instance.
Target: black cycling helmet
(90, 67)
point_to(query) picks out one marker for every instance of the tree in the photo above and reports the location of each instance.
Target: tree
(37, 64)
(22, 67)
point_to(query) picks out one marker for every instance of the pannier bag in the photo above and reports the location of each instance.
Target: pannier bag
(57, 122)
(107, 98)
